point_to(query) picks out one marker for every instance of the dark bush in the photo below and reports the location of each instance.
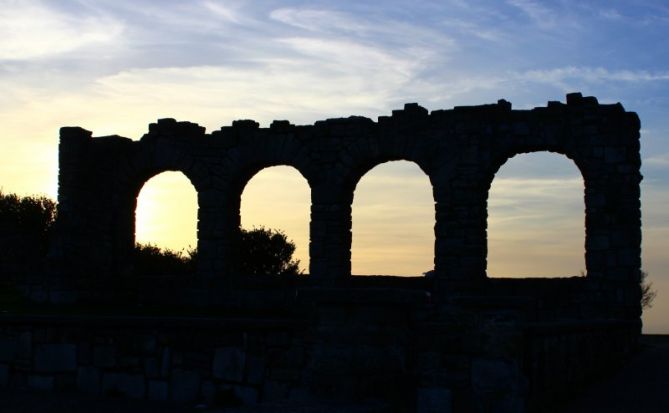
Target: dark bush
(25, 227)
(267, 252)
(151, 260)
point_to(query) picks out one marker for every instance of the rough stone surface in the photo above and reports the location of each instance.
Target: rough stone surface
(88, 380)
(434, 400)
(8, 349)
(185, 385)
(41, 382)
(229, 364)
(158, 390)
(51, 358)
(4, 375)
(122, 384)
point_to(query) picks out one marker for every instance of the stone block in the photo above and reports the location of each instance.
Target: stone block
(151, 368)
(165, 362)
(248, 395)
(84, 354)
(104, 356)
(63, 297)
(185, 385)
(229, 364)
(41, 382)
(434, 400)
(88, 380)
(9, 349)
(121, 384)
(273, 391)
(4, 375)
(208, 391)
(255, 369)
(494, 375)
(157, 390)
(149, 344)
(25, 347)
(51, 358)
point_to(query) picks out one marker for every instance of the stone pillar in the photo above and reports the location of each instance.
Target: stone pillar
(75, 228)
(460, 234)
(330, 239)
(218, 233)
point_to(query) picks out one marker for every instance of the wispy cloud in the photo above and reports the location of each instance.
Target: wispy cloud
(658, 161)
(590, 74)
(539, 14)
(30, 30)
(319, 20)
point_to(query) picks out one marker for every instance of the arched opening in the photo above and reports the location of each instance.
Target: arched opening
(279, 198)
(393, 221)
(166, 213)
(536, 225)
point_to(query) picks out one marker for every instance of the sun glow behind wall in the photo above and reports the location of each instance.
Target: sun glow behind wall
(536, 225)
(393, 221)
(279, 198)
(166, 214)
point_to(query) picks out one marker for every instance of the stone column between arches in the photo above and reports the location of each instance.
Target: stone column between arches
(217, 233)
(330, 237)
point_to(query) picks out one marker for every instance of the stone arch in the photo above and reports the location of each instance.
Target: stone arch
(251, 158)
(556, 157)
(593, 169)
(131, 183)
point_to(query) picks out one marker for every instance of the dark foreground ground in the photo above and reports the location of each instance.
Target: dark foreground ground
(641, 385)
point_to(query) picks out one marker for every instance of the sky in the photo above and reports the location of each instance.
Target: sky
(113, 67)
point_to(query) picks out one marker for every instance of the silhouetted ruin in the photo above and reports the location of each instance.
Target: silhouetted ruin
(458, 341)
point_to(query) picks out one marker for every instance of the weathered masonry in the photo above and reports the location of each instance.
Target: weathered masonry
(457, 341)
(460, 150)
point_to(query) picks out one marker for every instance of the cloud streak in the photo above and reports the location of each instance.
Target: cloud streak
(30, 30)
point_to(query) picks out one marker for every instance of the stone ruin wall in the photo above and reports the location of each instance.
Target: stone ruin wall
(460, 150)
(462, 342)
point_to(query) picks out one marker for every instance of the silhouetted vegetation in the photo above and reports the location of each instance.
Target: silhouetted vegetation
(26, 224)
(262, 251)
(267, 252)
(149, 259)
(648, 294)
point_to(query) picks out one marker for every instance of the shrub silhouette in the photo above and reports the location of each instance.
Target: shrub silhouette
(27, 222)
(149, 259)
(262, 251)
(267, 252)
(25, 227)
(647, 292)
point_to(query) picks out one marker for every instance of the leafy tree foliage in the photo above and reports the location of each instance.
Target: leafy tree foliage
(149, 259)
(25, 226)
(261, 252)
(267, 252)
(648, 294)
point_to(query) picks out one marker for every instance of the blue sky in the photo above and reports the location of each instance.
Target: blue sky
(114, 66)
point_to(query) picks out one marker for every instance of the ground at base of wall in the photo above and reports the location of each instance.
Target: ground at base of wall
(639, 386)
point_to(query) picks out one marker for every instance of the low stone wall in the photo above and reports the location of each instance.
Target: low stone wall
(393, 347)
(177, 359)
